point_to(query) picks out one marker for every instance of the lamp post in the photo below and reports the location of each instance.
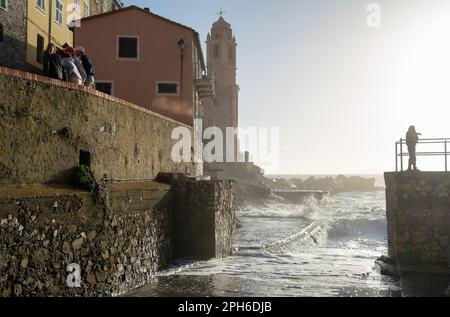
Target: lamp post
(182, 46)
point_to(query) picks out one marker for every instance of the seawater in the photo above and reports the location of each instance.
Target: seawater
(318, 248)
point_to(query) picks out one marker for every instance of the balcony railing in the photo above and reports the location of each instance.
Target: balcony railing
(401, 151)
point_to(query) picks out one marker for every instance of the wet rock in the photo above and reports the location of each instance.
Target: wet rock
(6, 292)
(76, 245)
(72, 229)
(101, 276)
(91, 235)
(18, 290)
(24, 263)
(66, 247)
(40, 256)
(3, 261)
(91, 279)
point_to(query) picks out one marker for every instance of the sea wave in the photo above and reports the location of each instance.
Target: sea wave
(315, 234)
(308, 210)
(358, 227)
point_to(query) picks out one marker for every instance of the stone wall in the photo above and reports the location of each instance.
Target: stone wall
(119, 238)
(118, 243)
(46, 124)
(204, 218)
(418, 214)
(13, 48)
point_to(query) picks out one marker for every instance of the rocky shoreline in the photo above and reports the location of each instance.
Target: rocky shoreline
(340, 184)
(260, 190)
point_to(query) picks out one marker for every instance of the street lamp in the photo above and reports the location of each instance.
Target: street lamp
(182, 46)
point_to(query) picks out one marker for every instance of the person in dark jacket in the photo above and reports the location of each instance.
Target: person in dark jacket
(412, 138)
(87, 64)
(52, 63)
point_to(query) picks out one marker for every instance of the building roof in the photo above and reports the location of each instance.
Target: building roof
(133, 7)
(221, 21)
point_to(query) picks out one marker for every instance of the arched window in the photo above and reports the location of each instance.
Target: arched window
(230, 53)
(216, 50)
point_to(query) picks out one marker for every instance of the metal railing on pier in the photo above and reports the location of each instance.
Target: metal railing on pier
(401, 151)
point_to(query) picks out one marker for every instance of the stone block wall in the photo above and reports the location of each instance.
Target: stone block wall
(118, 244)
(418, 214)
(46, 124)
(204, 218)
(119, 238)
(13, 48)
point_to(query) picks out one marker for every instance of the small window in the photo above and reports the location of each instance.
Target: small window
(105, 87)
(41, 4)
(128, 47)
(97, 7)
(39, 49)
(4, 4)
(59, 12)
(77, 5)
(87, 11)
(216, 50)
(230, 53)
(1, 33)
(85, 158)
(167, 88)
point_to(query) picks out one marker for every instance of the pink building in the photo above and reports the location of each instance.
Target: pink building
(148, 60)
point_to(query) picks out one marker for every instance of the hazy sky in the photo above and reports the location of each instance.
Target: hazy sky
(340, 91)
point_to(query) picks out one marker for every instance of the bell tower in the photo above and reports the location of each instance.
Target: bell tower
(222, 112)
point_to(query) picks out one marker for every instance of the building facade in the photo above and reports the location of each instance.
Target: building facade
(148, 60)
(13, 33)
(102, 6)
(222, 110)
(27, 26)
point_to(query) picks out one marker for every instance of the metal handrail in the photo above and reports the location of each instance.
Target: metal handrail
(399, 153)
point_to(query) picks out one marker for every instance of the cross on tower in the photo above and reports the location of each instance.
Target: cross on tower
(221, 12)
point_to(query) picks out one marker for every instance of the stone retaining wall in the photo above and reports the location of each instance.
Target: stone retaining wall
(119, 240)
(204, 218)
(49, 126)
(116, 249)
(418, 214)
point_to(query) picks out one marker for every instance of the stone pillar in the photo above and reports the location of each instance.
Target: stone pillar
(418, 214)
(204, 218)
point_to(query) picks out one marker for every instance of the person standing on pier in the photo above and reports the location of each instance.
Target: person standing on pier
(412, 138)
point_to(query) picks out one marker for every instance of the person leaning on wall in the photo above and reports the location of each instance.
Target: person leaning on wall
(72, 73)
(52, 63)
(80, 52)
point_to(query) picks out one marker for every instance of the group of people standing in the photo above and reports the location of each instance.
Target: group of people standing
(69, 64)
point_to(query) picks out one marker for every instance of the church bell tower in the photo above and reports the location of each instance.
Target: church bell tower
(222, 111)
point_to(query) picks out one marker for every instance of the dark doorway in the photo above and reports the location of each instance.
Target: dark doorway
(85, 158)
(39, 49)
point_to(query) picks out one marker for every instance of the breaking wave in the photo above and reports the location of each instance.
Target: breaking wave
(361, 227)
(315, 234)
(307, 210)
